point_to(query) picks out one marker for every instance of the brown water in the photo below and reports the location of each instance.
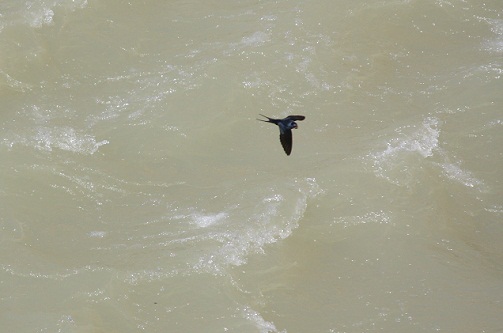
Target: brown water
(139, 194)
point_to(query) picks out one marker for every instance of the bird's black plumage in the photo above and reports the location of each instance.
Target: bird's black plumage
(285, 129)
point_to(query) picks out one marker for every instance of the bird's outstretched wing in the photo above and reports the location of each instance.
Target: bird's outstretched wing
(293, 117)
(285, 137)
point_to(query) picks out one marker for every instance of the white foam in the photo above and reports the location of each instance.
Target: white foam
(379, 217)
(496, 122)
(13, 83)
(204, 221)
(262, 325)
(67, 138)
(37, 14)
(269, 18)
(41, 17)
(64, 138)
(454, 172)
(494, 44)
(422, 141)
(256, 39)
(497, 209)
(275, 219)
(97, 234)
(399, 162)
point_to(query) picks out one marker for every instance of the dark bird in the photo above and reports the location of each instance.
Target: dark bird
(285, 129)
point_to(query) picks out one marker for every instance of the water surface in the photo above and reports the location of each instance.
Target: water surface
(139, 194)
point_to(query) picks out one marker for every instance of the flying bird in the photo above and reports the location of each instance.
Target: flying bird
(285, 129)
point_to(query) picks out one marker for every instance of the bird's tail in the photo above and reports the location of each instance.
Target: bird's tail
(269, 120)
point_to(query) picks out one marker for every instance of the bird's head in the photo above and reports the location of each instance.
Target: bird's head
(292, 124)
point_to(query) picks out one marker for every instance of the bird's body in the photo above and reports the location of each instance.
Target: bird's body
(285, 129)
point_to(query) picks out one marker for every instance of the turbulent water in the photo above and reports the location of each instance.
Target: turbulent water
(138, 193)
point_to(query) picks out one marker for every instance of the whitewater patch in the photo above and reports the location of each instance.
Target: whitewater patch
(272, 219)
(378, 217)
(406, 154)
(256, 318)
(396, 162)
(494, 44)
(64, 138)
(454, 172)
(38, 14)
